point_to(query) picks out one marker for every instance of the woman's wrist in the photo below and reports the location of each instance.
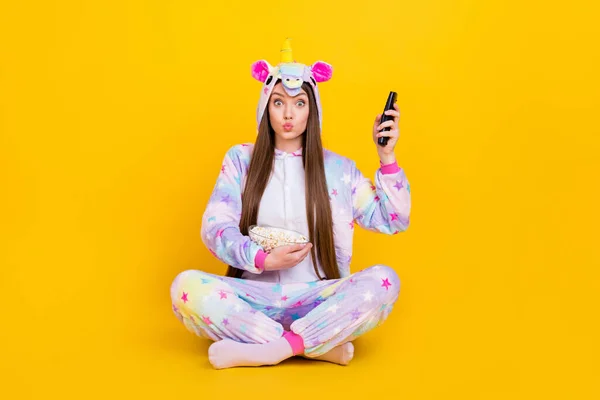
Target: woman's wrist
(387, 159)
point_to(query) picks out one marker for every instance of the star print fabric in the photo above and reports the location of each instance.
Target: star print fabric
(381, 206)
(324, 313)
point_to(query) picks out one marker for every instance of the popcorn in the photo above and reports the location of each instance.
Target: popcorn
(270, 237)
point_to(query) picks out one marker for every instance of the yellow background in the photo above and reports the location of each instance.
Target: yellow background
(114, 118)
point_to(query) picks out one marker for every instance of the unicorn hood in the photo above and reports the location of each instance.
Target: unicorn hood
(292, 76)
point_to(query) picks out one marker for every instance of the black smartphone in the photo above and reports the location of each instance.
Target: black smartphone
(389, 105)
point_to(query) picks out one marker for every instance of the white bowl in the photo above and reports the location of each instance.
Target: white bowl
(270, 237)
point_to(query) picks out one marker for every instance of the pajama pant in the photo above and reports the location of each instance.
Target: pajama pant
(325, 313)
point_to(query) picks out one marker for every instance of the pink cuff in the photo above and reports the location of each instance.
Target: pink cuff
(295, 341)
(389, 168)
(259, 260)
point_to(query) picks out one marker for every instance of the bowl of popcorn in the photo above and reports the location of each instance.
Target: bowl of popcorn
(270, 237)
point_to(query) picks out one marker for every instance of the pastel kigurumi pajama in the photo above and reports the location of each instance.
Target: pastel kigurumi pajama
(313, 315)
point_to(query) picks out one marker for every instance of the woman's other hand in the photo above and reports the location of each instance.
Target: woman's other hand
(285, 257)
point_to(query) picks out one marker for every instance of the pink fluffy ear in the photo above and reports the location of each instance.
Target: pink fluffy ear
(322, 71)
(260, 70)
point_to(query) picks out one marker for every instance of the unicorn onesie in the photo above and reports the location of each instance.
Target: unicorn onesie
(314, 315)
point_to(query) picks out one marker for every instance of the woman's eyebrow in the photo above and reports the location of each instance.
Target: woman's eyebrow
(279, 94)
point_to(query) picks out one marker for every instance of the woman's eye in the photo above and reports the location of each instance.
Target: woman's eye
(277, 102)
(300, 103)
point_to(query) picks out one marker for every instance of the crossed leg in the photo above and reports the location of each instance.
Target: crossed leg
(248, 319)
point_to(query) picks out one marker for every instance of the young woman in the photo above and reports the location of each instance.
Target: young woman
(296, 299)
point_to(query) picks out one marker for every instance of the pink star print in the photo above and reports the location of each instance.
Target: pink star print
(223, 168)
(351, 224)
(220, 233)
(386, 283)
(377, 198)
(284, 298)
(297, 304)
(398, 185)
(184, 297)
(373, 187)
(334, 192)
(206, 320)
(225, 322)
(394, 216)
(222, 294)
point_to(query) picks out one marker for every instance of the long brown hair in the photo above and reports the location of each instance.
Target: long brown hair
(318, 209)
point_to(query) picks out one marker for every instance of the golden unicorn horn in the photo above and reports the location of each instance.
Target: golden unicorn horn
(286, 52)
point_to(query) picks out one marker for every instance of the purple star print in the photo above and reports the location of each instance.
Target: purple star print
(226, 199)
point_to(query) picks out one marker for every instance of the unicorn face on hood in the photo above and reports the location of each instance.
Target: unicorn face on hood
(292, 76)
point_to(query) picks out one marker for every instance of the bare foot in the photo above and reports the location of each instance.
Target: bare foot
(341, 354)
(228, 353)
